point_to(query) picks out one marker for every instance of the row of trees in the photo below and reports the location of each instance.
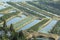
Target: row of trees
(13, 34)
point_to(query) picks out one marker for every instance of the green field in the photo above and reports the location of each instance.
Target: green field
(29, 19)
(38, 25)
(24, 9)
(5, 9)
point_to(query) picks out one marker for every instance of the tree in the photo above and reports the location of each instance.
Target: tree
(5, 37)
(4, 24)
(11, 27)
(21, 34)
(15, 37)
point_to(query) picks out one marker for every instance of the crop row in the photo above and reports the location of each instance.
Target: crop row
(25, 9)
(38, 25)
(8, 15)
(45, 7)
(6, 9)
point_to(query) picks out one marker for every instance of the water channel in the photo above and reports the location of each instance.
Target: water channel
(47, 28)
(16, 19)
(1, 15)
(30, 25)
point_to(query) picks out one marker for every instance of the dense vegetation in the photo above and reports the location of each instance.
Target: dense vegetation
(45, 7)
(56, 29)
(55, 5)
(9, 33)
